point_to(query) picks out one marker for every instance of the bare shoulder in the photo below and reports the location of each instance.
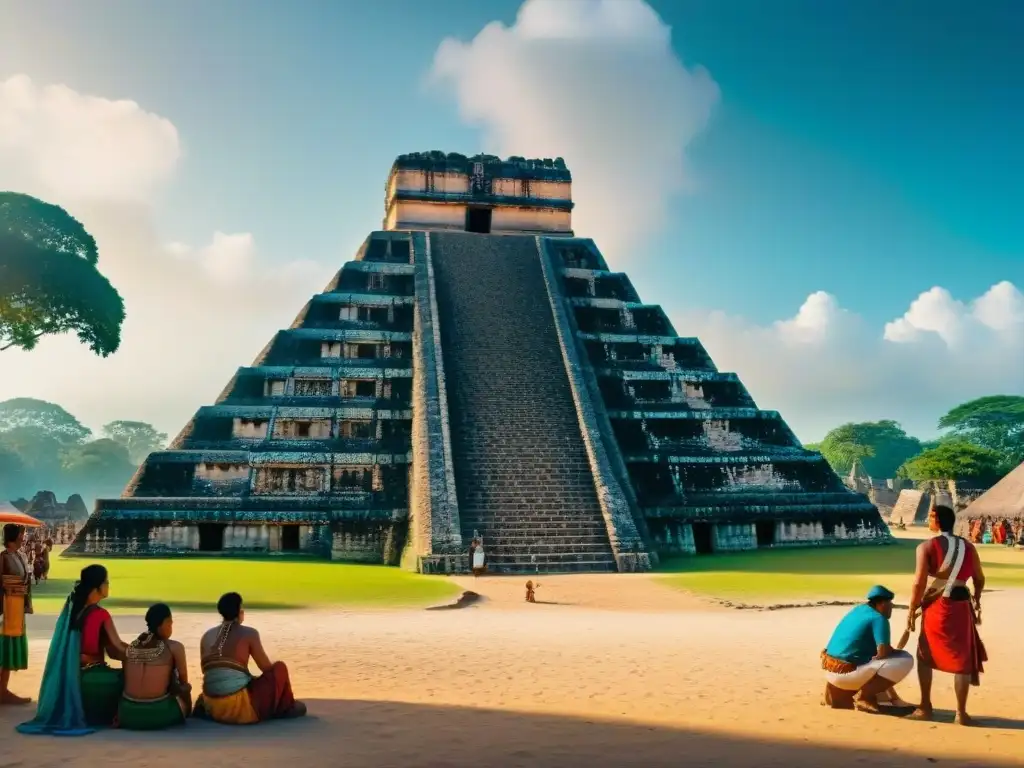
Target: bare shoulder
(175, 647)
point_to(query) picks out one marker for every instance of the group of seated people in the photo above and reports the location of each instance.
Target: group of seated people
(81, 691)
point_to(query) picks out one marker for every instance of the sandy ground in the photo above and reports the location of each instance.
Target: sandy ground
(612, 671)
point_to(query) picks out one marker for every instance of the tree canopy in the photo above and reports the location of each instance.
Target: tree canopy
(49, 283)
(43, 447)
(880, 446)
(995, 422)
(956, 460)
(46, 417)
(139, 438)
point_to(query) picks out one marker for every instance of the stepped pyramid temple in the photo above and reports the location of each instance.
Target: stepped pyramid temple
(478, 370)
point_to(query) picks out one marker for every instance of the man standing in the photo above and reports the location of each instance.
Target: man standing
(949, 640)
(859, 661)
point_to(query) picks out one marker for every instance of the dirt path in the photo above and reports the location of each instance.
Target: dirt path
(622, 672)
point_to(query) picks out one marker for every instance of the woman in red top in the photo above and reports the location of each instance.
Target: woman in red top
(101, 684)
(949, 640)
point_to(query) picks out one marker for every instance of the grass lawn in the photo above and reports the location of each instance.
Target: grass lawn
(822, 573)
(195, 584)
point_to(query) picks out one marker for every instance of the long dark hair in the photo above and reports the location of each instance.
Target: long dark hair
(155, 616)
(91, 578)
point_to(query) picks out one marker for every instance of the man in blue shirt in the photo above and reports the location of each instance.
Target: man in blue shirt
(861, 666)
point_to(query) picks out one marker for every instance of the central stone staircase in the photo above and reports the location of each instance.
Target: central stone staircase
(521, 470)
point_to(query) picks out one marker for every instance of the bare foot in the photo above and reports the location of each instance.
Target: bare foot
(11, 699)
(298, 710)
(870, 707)
(921, 713)
(962, 718)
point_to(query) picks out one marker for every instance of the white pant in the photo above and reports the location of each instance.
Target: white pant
(893, 668)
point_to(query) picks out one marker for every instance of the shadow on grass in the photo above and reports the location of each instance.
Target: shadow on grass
(383, 733)
(823, 561)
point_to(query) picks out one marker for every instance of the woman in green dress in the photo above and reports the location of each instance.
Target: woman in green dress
(157, 694)
(80, 691)
(15, 603)
(101, 683)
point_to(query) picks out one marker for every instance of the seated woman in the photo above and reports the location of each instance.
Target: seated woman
(231, 695)
(156, 690)
(80, 691)
(101, 683)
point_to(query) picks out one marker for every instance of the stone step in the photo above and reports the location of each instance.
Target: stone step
(551, 547)
(521, 469)
(500, 539)
(533, 569)
(551, 525)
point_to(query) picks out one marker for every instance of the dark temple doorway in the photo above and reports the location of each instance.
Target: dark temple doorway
(765, 533)
(702, 538)
(289, 538)
(211, 537)
(478, 220)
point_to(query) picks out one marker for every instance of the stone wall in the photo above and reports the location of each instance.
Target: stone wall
(673, 537)
(733, 537)
(378, 543)
(619, 514)
(434, 527)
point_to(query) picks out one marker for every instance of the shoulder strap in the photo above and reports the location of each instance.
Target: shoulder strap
(957, 545)
(952, 543)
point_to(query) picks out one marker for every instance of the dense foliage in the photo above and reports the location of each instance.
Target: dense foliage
(995, 422)
(43, 447)
(49, 283)
(137, 437)
(48, 418)
(956, 460)
(881, 447)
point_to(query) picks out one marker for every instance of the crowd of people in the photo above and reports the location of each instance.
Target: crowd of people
(1005, 532)
(861, 664)
(150, 690)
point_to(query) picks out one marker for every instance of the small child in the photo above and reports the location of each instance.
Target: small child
(530, 589)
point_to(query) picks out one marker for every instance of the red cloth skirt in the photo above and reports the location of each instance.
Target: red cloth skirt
(271, 693)
(949, 640)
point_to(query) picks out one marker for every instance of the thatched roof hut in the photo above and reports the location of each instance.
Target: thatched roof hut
(1003, 501)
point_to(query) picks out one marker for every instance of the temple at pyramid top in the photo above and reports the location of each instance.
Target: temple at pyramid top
(482, 194)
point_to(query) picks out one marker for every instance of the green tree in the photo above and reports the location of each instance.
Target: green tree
(39, 454)
(97, 469)
(880, 446)
(15, 478)
(995, 422)
(139, 438)
(956, 460)
(49, 283)
(41, 415)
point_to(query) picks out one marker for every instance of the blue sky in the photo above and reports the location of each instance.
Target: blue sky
(869, 150)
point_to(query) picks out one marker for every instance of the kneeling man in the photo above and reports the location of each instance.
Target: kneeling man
(860, 661)
(231, 694)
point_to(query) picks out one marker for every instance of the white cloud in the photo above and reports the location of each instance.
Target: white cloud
(825, 365)
(1000, 309)
(59, 144)
(228, 259)
(194, 313)
(594, 81)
